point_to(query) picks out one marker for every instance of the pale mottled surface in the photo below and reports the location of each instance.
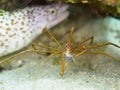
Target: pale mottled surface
(19, 28)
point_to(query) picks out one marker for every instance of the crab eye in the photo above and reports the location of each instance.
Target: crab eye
(53, 11)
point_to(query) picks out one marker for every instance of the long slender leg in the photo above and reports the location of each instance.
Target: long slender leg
(63, 66)
(90, 38)
(103, 53)
(71, 34)
(46, 47)
(56, 53)
(21, 53)
(68, 32)
(82, 42)
(69, 42)
(82, 52)
(42, 46)
(54, 39)
(103, 44)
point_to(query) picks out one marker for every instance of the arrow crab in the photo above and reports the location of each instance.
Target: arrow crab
(70, 51)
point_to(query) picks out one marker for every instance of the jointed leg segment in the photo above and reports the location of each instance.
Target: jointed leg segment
(46, 47)
(103, 44)
(63, 65)
(21, 53)
(81, 43)
(103, 53)
(54, 39)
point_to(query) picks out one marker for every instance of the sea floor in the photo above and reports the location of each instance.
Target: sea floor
(93, 72)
